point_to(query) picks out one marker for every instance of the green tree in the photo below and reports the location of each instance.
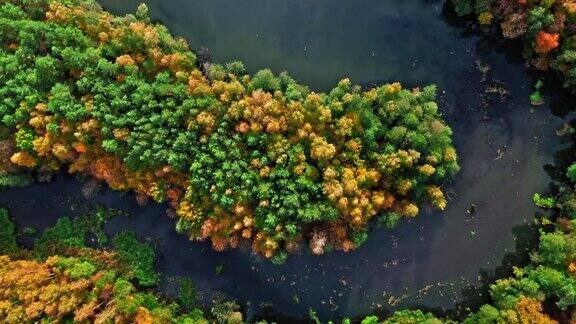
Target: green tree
(140, 257)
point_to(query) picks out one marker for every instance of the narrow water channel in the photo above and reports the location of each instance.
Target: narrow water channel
(502, 140)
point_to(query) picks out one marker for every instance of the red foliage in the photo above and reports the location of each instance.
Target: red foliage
(546, 42)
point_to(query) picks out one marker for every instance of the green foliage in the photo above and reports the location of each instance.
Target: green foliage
(571, 172)
(225, 312)
(142, 12)
(265, 79)
(548, 277)
(72, 233)
(538, 19)
(544, 202)
(76, 268)
(505, 292)
(139, 257)
(463, 7)
(552, 249)
(314, 316)
(24, 138)
(536, 97)
(219, 268)
(280, 258)
(487, 314)
(409, 317)
(359, 237)
(390, 220)
(8, 244)
(107, 277)
(237, 68)
(62, 235)
(370, 320)
(14, 180)
(216, 72)
(29, 231)
(187, 294)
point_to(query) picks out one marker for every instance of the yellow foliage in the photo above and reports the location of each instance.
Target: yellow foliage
(528, 310)
(427, 169)
(23, 159)
(392, 88)
(572, 267)
(404, 186)
(207, 120)
(42, 145)
(409, 209)
(437, 197)
(186, 210)
(346, 124)
(321, 150)
(485, 18)
(450, 154)
(143, 316)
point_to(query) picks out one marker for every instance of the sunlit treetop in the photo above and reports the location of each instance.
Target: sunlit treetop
(241, 158)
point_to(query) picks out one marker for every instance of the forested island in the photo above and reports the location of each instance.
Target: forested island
(240, 158)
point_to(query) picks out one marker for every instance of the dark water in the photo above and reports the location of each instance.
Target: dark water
(503, 143)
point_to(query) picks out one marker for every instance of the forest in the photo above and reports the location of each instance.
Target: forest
(242, 160)
(257, 159)
(62, 278)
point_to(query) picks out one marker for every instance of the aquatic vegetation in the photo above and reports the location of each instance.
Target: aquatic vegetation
(545, 27)
(71, 233)
(139, 257)
(536, 97)
(257, 159)
(187, 294)
(544, 202)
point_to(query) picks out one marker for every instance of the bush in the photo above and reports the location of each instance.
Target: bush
(140, 257)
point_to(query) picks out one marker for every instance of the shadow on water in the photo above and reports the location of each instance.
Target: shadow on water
(431, 261)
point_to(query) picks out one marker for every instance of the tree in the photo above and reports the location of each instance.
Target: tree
(552, 250)
(8, 243)
(139, 256)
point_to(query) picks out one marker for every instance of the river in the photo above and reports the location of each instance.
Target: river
(503, 143)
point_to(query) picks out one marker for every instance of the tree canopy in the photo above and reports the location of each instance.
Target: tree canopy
(255, 158)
